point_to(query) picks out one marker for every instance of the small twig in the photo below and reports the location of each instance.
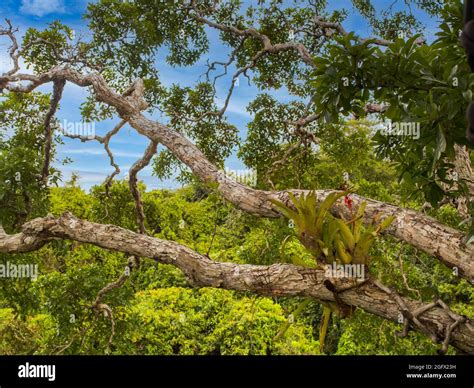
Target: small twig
(98, 306)
(405, 281)
(133, 183)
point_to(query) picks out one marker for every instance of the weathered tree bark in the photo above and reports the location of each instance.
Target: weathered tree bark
(411, 226)
(273, 280)
(463, 170)
(425, 233)
(415, 228)
(462, 165)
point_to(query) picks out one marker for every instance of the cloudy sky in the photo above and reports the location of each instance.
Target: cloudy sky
(90, 160)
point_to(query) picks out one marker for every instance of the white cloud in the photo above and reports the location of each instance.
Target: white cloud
(99, 152)
(42, 7)
(5, 63)
(236, 106)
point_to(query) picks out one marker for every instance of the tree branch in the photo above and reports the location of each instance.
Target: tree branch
(58, 89)
(273, 280)
(133, 182)
(105, 141)
(268, 46)
(415, 228)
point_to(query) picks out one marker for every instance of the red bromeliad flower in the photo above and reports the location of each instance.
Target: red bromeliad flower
(348, 202)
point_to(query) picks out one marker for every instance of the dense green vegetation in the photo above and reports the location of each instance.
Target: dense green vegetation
(156, 312)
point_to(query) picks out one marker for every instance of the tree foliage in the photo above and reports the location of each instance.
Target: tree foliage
(322, 135)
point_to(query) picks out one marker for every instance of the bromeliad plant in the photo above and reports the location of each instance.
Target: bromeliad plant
(330, 239)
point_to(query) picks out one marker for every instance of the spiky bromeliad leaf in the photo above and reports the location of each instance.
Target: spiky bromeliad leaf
(330, 231)
(342, 254)
(293, 316)
(324, 208)
(296, 260)
(361, 250)
(310, 221)
(305, 219)
(322, 233)
(346, 235)
(306, 206)
(385, 223)
(324, 327)
(358, 221)
(285, 210)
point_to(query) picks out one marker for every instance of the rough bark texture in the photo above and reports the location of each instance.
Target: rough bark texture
(463, 171)
(273, 280)
(462, 165)
(415, 228)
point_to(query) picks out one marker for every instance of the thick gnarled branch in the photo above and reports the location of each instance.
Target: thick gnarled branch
(273, 280)
(415, 228)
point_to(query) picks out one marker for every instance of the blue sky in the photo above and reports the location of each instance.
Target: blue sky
(90, 161)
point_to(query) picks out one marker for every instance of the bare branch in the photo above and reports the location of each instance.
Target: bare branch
(136, 168)
(376, 108)
(329, 28)
(280, 162)
(99, 306)
(14, 53)
(268, 46)
(105, 141)
(133, 261)
(404, 276)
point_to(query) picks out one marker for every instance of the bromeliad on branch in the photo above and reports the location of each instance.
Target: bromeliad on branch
(332, 239)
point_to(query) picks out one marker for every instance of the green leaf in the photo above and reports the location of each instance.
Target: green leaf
(440, 146)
